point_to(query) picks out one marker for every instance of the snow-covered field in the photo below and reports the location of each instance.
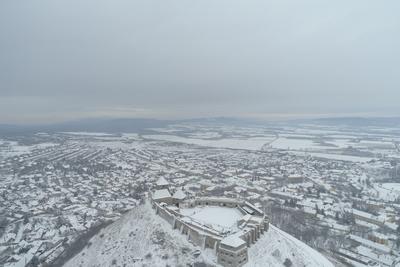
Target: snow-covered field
(206, 135)
(339, 157)
(392, 186)
(254, 143)
(295, 144)
(219, 216)
(87, 133)
(388, 191)
(12, 148)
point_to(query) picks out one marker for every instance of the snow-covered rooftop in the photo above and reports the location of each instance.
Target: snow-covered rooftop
(162, 182)
(163, 193)
(254, 207)
(179, 195)
(233, 241)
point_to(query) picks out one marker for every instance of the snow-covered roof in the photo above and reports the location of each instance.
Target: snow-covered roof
(163, 193)
(367, 215)
(179, 195)
(256, 219)
(370, 244)
(248, 210)
(233, 241)
(246, 217)
(254, 207)
(162, 181)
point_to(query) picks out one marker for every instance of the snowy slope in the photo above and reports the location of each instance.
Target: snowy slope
(141, 238)
(275, 246)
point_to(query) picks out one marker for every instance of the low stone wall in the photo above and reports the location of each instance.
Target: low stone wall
(222, 202)
(164, 213)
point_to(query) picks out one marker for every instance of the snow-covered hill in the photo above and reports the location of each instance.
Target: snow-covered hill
(275, 247)
(141, 238)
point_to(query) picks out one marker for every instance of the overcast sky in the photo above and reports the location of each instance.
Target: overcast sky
(62, 60)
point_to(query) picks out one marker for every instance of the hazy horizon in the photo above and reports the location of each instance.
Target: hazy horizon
(68, 60)
(199, 133)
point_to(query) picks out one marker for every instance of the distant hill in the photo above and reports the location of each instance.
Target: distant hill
(360, 121)
(141, 124)
(115, 125)
(87, 125)
(141, 238)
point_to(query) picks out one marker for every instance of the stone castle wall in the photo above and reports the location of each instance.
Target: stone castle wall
(207, 238)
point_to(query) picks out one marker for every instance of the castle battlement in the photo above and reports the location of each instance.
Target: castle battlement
(227, 225)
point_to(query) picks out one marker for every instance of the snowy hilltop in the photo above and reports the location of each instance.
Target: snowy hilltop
(277, 248)
(141, 238)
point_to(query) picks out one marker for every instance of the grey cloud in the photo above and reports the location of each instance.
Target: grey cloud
(183, 58)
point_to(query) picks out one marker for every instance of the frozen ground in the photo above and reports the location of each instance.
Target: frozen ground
(220, 216)
(274, 247)
(87, 133)
(339, 157)
(12, 148)
(140, 238)
(392, 186)
(388, 191)
(295, 144)
(253, 143)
